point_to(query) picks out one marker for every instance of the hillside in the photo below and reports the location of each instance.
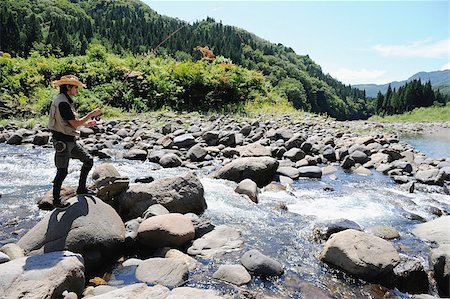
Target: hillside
(439, 80)
(62, 28)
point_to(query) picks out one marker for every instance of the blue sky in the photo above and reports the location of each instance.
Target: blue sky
(354, 41)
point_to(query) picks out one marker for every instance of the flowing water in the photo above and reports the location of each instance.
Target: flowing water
(26, 174)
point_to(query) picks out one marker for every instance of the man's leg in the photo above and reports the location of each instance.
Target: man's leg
(62, 156)
(81, 154)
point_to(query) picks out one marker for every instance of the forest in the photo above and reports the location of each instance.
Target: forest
(133, 32)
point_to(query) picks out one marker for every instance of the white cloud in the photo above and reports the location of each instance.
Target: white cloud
(424, 49)
(445, 67)
(349, 76)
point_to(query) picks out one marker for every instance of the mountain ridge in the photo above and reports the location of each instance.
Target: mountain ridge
(439, 80)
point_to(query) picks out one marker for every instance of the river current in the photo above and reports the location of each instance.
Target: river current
(285, 235)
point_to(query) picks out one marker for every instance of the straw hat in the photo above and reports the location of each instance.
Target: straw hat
(69, 80)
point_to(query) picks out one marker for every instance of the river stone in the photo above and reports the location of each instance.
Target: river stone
(384, 232)
(235, 274)
(41, 138)
(178, 194)
(440, 263)
(361, 255)
(155, 210)
(168, 272)
(170, 160)
(4, 258)
(187, 293)
(249, 188)
(222, 239)
(136, 290)
(423, 296)
(260, 264)
(109, 188)
(15, 139)
(42, 276)
(197, 153)
(258, 169)
(89, 226)
(348, 162)
(323, 230)
(167, 252)
(173, 230)
(104, 170)
(359, 157)
(362, 171)
(410, 276)
(12, 250)
(310, 172)
(202, 225)
(294, 154)
(184, 141)
(135, 154)
(431, 177)
(435, 230)
(289, 171)
(254, 150)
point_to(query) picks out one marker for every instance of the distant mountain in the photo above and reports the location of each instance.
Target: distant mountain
(439, 80)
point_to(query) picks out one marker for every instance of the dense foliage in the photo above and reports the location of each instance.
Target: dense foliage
(409, 96)
(132, 84)
(62, 27)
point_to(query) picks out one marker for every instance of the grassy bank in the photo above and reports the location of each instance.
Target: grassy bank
(429, 114)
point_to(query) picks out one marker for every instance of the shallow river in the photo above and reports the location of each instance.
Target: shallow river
(26, 174)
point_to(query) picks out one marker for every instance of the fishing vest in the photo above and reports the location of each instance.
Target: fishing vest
(56, 122)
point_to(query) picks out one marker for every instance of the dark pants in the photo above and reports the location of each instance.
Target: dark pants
(64, 152)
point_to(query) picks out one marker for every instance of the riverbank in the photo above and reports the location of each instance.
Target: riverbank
(267, 180)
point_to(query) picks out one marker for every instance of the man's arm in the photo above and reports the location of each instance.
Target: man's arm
(77, 122)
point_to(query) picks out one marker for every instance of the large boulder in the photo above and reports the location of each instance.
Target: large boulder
(168, 272)
(173, 230)
(440, 262)
(260, 264)
(222, 239)
(259, 169)
(435, 230)
(361, 255)
(89, 226)
(42, 276)
(179, 194)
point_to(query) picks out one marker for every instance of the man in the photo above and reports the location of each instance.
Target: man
(63, 123)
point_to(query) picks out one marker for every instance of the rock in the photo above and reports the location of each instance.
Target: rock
(362, 171)
(323, 231)
(180, 194)
(254, 150)
(144, 180)
(4, 258)
(235, 274)
(410, 276)
(222, 239)
(348, 162)
(258, 169)
(435, 230)
(12, 250)
(260, 264)
(109, 188)
(440, 263)
(89, 226)
(137, 290)
(361, 255)
(170, 160)
(104, 170)
(131, 229)
(155, 210)
(294, 154)
(167, 252)
(187, 293)
(173, 230)
(359, 157)
(136, 154)
(184, 141)
(431, 177)
(202, 225)
(42, 276)
(15, 139)
(384, 232)
(310, 172)
(295, 141)
(196, 153)
(169, 272)
(85, 132)
(41, 138)
(249, 188)
(288, 171)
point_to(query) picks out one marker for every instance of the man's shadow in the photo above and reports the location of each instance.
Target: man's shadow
(59, 226)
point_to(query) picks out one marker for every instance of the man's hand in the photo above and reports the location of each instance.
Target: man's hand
(95, 112)
(91, 123)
